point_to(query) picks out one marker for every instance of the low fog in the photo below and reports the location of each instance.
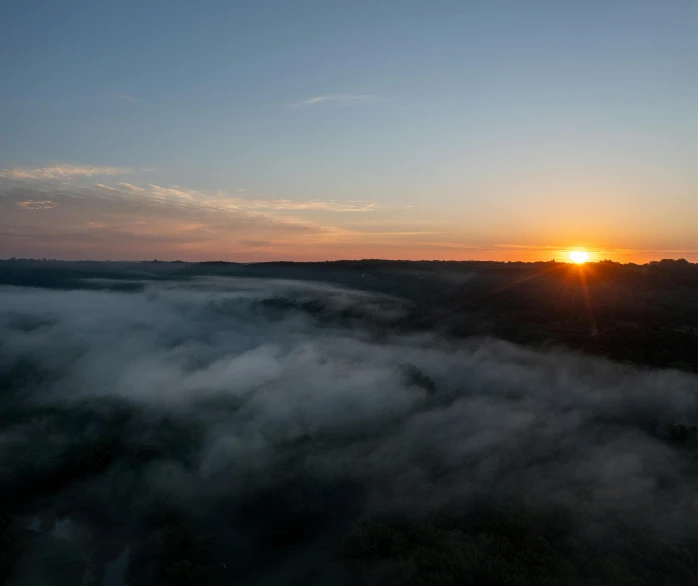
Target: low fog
(213, 431)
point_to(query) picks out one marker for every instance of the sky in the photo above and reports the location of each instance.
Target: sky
(313, 130)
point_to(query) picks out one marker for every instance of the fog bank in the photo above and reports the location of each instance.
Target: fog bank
(220, 416)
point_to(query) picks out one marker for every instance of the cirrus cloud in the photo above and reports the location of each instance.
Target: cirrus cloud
(335, 98)
(226, 202)
(33, 204)
(61, 172)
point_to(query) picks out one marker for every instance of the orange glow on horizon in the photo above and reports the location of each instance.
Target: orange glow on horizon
(578, 256)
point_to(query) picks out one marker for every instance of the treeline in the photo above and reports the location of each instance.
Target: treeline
(642, 314)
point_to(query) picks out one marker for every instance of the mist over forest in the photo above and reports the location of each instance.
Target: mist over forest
(212, 375)
(391, 424)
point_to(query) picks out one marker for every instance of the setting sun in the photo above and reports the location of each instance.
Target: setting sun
(579, 256)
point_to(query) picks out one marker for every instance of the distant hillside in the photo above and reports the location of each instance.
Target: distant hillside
(644, 314)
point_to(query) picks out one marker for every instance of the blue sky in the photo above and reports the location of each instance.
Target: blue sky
(462, 129)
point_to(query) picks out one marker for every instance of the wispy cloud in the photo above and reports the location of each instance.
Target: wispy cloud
(122, 97)
(129, 187)
(102, 186)
(61, 172)
(33, 204)
(170, 192)
(225, 201)
(98, 222)
(114, 218)
(318, 205)
(335, 98)
(221, 200)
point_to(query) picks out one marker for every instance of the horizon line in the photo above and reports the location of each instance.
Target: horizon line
(327, 261)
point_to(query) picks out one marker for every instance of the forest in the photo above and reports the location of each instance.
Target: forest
(357, 422)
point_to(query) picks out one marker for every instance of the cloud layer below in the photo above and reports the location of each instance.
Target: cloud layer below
(226, 393)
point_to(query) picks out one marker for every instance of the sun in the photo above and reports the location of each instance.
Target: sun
(578, 256)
